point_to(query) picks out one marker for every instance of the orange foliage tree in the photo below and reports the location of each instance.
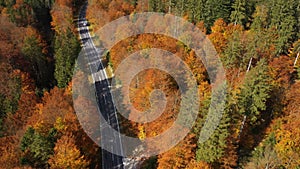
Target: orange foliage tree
(287, 136)
(67, 155)
(180, 155)
(62, 16)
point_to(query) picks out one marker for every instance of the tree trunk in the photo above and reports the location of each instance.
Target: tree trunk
(249, 66)
(242, 126)
(170, 3)
(296, 59)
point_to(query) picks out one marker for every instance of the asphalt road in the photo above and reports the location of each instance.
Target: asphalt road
(103, 95)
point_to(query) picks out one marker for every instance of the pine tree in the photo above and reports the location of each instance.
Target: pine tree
(238, 15)
(213, 148)
(10, 90)
(20, 13)
(171, 5)
(152, 5)
(283, 19)
(156, 5)
(216, 9)
(260, 18)
(181, 7)
(195, 10)
(255, 92)
(66, 51)
(298, 20)
(234, 54)
(37, 147)
(34, 50)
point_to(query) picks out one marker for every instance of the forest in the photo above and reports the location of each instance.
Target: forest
(258, 42)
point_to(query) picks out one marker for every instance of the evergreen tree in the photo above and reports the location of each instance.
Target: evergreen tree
(156, 5)
(66, 50)
(20, 13)
(10, 90)
(215, 9)
(234, 54)
(171, 5)
(283, 19)
(238, 15)
(261, 18)
(195, 9)
(255, 92)
(35, 52)
(37, 147)
(213, 149)
(181, 7)
(298, 20)
(261, 39)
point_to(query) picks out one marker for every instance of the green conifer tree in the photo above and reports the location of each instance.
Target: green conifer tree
(33, 50)
(213, 148)
(66, 51)
(37, 148)
(255, 92)
(215, 9)
(239, 15)
(283, 19)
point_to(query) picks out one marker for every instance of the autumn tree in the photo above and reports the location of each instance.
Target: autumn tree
(198, 164)
(280, 147)
(217, 35)
(119, 8)
(288, 141)
(67, 155)
(180, 155)
(287, 130)
(10, 152)
(62, 16)
(292, 100)
(56, 112)
(282, 72)
(97, 13)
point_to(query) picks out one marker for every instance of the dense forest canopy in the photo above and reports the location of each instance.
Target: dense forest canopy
(258, 42)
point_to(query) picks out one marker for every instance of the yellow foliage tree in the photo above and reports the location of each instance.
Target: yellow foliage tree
(67, 155)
